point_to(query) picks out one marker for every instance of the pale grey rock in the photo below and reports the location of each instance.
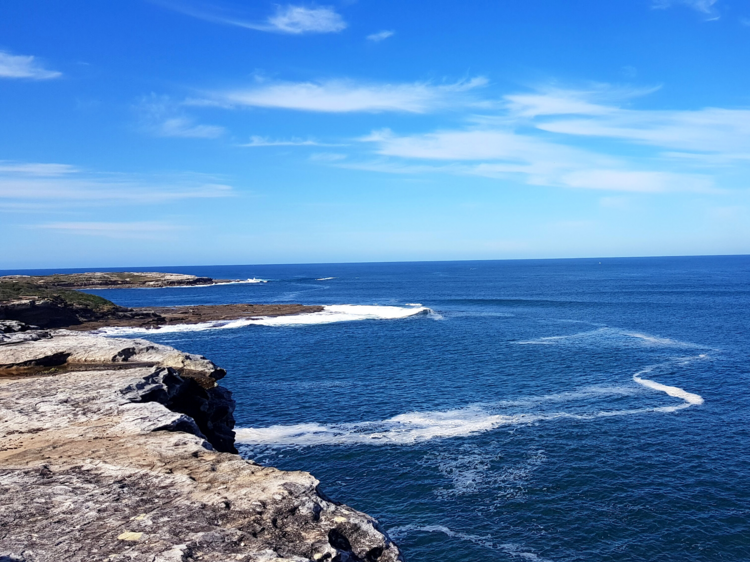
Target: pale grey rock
(66, 347)
(11, 326)
(100, 462)
(13, 331)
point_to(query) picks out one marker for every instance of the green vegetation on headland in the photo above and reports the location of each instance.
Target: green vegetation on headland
(52, 302)
(51, 307)
(21, 290)
(111, 279)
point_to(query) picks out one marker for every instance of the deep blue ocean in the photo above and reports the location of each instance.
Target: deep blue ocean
(560, 410)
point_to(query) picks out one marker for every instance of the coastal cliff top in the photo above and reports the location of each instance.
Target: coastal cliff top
(110, 449)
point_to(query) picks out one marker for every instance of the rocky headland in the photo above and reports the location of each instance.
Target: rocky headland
(54, 302)
(120, 449)
(114, 280)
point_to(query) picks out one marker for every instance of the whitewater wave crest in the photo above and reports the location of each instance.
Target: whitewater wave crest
(252, 281)
(329, 315)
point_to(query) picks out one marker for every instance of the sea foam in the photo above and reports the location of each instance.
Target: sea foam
(415, 427)
(329, 315)
(512, 549)
(607, 336)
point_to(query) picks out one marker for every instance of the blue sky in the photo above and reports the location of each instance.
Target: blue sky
(178, 132)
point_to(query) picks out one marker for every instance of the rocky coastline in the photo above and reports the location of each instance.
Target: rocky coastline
(52, 313)
(55, 302)
(120, 449)
(115, 280)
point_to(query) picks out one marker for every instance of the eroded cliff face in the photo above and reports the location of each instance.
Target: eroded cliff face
(111, 449)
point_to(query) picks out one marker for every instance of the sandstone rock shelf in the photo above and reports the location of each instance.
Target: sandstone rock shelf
(112, 449)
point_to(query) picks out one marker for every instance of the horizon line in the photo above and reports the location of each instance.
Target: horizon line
(12, 271)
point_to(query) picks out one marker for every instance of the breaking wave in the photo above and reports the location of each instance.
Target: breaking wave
(329, 315)
(252, 281)
(414, 427)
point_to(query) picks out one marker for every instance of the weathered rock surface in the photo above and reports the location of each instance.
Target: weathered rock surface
(110, 450)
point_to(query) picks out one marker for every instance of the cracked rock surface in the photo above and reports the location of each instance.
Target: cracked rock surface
(111, 450)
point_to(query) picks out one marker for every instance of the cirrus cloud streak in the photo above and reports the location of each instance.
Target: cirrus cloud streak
(66, 184)
(24, 66)
(348, 96)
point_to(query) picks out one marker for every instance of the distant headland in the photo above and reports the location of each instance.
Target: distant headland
(113, 280)
(55, 301)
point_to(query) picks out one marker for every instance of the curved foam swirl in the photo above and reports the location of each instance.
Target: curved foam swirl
(611, 336)
(417, 427)
(329, 315)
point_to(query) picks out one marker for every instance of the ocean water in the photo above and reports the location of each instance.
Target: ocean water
(559, 410)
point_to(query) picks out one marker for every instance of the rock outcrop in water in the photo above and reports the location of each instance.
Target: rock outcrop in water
(81, 311)
(112, 449)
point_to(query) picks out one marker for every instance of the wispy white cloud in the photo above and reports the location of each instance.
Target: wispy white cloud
(346, 96)
(637, 181)
(36, 169)
(380, 35)
(705, 7)
(186, 128)
(258, 141)
(507, 154)
(294, 20)
(298, 19)
(600, 99)
(24, 66)
(538, 138)
(745, 22)
(62, 184)
(709, 131)
(129, 230)
(162, 117)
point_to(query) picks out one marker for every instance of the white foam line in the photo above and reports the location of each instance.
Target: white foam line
(509, 548)
(325, 278)
(611, 334)
(675, 391)
(329, 315)
(414, 427)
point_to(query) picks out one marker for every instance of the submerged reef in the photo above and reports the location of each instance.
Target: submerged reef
(121, 449)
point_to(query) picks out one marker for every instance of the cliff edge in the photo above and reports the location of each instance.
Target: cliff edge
(119, 449)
